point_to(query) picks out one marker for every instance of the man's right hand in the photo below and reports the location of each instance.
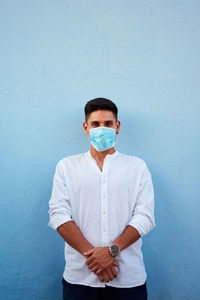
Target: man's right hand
(109, 273)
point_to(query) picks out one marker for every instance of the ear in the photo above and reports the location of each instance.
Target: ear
(85, 128)
(118, 126)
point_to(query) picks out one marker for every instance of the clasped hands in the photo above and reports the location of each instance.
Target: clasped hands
(101, 263)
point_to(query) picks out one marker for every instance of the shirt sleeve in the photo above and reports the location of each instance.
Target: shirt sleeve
(143, 214)
(59, 203)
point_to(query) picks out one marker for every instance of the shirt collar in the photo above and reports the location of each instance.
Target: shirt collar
(108, 156)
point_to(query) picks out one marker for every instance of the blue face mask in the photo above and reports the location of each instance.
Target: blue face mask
(102, 138)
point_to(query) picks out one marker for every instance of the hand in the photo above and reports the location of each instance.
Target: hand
(99, 259)
(108, 274)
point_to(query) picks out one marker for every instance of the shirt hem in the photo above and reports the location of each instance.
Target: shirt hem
(100, 285)
(103, 285)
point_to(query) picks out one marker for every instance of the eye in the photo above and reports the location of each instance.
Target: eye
(95, 124)
(109, 123)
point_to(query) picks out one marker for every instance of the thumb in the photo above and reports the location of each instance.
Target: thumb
(89, 252)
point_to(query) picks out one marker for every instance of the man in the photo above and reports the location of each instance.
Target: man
(102, 203)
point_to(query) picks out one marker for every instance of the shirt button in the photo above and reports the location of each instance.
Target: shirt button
(104, 181)
(104, 196)
(104, 212)
(104, 230)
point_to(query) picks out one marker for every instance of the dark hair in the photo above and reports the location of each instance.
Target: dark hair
(100, 103)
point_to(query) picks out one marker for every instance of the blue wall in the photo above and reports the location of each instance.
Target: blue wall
(56, 55)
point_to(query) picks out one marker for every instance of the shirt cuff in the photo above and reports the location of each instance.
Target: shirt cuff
(56, 221)
(142, 224)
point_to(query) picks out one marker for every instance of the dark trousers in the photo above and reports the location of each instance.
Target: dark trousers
(82, 292)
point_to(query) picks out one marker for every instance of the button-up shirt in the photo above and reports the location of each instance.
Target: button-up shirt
(102, 204)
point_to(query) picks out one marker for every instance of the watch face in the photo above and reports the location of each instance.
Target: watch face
(114, 250)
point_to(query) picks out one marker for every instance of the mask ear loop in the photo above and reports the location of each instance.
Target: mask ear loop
(116, 135)
(88, 134)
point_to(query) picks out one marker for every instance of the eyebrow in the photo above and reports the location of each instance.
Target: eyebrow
(111, 121)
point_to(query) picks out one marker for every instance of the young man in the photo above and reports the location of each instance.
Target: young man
(102, 203)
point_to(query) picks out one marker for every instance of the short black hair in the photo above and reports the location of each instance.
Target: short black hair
(100, 103)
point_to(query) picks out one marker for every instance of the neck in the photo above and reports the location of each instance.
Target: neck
(100, 156)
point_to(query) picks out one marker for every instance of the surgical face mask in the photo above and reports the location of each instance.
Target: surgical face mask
(102, 138)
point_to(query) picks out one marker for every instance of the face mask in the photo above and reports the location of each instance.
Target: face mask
(102, 138)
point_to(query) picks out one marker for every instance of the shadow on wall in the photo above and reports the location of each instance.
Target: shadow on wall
(164, 145)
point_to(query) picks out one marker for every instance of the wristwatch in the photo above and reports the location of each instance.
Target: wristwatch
(114, 250)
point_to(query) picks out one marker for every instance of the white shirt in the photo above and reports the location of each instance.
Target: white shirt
(102, 204)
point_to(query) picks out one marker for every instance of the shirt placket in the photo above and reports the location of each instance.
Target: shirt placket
(104, 204)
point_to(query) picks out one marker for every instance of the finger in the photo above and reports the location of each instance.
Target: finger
(92, 265)
(99, 271)
(115, 264)
(89, 252)
(101, 278)
(105, 276)
(114, 272)
(110, 274)
(94, 269)
(89, 260)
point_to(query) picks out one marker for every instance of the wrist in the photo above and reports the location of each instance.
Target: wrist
(114, 250)
(85, 250)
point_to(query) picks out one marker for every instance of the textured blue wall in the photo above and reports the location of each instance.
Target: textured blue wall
(56, 55)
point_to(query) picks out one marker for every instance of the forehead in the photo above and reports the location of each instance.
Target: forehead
(101, 115)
